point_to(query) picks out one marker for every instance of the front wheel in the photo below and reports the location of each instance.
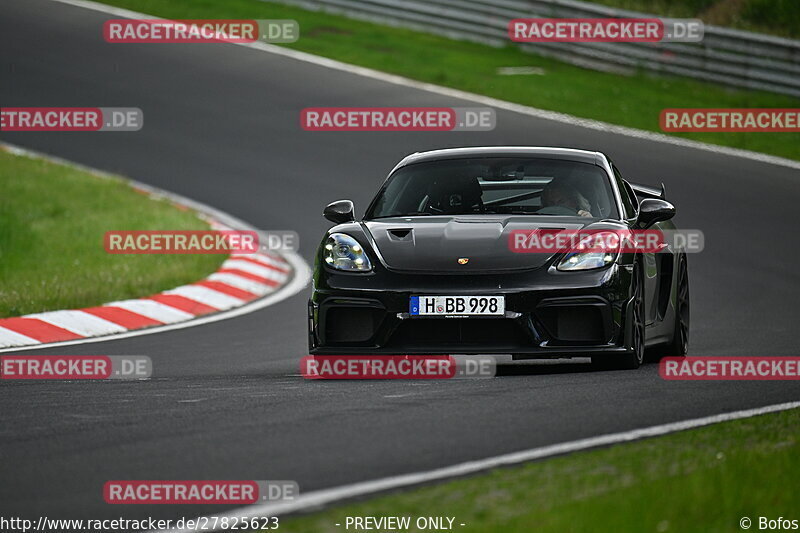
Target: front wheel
(634, 358)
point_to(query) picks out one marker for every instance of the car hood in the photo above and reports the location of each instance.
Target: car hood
(436, 243)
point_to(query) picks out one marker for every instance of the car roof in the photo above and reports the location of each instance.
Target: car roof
(569, 154)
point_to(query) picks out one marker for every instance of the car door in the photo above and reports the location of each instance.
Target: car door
(630, 204)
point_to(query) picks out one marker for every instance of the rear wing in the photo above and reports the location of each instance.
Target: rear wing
(650, 192)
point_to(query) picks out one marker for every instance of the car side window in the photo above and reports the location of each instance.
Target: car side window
(628, 203)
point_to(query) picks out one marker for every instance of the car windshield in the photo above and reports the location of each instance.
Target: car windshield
(503, 185)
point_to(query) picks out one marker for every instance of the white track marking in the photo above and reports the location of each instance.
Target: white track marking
(152, 309)
(78, 322)
(12, 338)
(316, 499)
(207, 296)
(252, 268)
(240, 283)
(471, 97)
(261, 258)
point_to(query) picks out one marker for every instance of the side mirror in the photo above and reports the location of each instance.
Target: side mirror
(339, 212)
(652, 210)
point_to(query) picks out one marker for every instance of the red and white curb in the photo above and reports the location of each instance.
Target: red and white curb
(241, 279)
(243, 283)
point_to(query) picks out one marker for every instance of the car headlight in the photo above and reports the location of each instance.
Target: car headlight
(343, 252)
(596, 250)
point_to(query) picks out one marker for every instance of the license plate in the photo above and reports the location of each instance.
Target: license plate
(457, 306)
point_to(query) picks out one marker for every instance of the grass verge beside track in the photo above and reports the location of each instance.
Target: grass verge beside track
(777, 17)
(635, 101)
(702, 480)
(52, 222)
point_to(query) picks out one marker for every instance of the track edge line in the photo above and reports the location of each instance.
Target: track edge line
(318, 499)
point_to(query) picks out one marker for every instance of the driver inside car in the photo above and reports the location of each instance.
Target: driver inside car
(456, 195)
(557, 194)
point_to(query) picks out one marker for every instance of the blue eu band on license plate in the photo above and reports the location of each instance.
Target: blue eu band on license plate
(457, 306)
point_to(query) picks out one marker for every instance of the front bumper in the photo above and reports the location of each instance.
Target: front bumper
(548, 314)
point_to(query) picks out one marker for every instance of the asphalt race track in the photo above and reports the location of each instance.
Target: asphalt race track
(226, 402)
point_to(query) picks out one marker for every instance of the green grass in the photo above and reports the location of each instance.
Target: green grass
(703, 480)
(667, 8)
(777, 17)
(634, 101)
(52, 222)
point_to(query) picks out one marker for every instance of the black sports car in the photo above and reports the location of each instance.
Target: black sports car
(429, 270)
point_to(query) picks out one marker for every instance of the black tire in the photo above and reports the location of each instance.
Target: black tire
(635, 358)
(679, 346)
